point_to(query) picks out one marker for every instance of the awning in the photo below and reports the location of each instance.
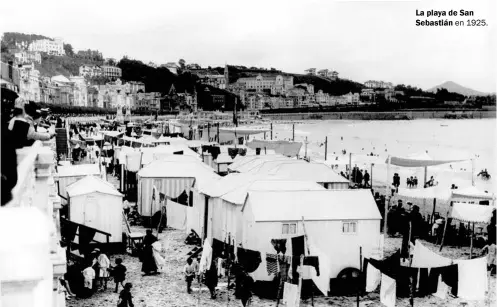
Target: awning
(472, 213)
(472, 193)
(438, 192)
(418, 160)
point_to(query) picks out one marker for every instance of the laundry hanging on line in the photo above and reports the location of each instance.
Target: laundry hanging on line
(248, 259)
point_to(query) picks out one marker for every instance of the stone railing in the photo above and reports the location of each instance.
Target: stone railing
(31, 258)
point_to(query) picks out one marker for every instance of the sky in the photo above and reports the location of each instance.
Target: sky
(362, 40)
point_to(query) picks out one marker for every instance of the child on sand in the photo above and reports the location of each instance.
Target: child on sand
(119, 273)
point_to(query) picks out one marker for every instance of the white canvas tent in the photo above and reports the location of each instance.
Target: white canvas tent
(471, 194)
(338, 222)
(471, 213)
(171, 179)
(304, 171)
(71, 173)
(225, 198)
(414, 160)
(250, 163)
(96, 203)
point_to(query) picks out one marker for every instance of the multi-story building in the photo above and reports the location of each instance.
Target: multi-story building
(215, 80)
(80, 91)
(30, 83)
(351, 98)
(276, 85)
(311, 71)
(134, 87)
(378, 84)
(48, 91)
(148, 101)
(10, 76)
(328, 73)
(172, 67)
(27, 57)
(52, 47)
(90, 71)
(111, 72)
(309, 87)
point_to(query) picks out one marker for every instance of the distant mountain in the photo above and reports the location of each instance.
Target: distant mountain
(456, 88)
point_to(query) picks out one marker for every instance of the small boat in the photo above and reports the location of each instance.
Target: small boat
(444, 125)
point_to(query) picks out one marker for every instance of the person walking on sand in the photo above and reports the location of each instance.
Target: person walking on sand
(119, 273)
(149, 266)
(366, 179)
(125, 297)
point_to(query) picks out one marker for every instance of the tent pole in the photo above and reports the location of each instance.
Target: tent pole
(371, 184)
(445, 227)
(471, 244)
(325, 148)
(433, 213)
(360, 270)
(387, 199)
(350, 168)
(472, 172)
(300, 280)
(293, 133)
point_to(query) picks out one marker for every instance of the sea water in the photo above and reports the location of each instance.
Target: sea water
(441, 139)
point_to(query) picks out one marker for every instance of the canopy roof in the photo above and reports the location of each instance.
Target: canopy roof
(78, 170)
(202, 173)
(234, 187)
(472, 193)
(472, 213)
(418, 160)
(304, 171)
(91, 184)
(249, 163)
(438, 192)
(324, 205)
(241, 131)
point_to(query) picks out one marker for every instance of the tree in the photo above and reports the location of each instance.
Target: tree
(68, 49)
(112, 62)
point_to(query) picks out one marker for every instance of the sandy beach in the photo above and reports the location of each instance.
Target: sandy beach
(169, 288)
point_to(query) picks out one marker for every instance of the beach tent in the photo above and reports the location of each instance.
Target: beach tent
(286, 148)
(156, 153)
(249, 163)
(437, 192)
(304, 171)
(414, 160)
(225, 198)
(170, 178)
(471, 213)
(471, 194)
(71, 173)
(96, 203)
(338, 222)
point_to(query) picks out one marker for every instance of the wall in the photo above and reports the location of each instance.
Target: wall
(105, 215)
(171, 187)
(343, 249)
(226, 218)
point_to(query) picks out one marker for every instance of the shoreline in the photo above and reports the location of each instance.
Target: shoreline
(401, 115)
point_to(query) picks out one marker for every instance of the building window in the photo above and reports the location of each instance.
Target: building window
(290, 228)
(349, 227)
